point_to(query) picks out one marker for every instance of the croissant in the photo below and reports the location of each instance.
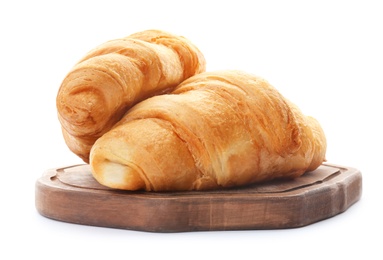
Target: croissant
(215, 130)
(110, 79)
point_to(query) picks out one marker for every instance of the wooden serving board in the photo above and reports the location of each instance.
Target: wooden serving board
(71, 194)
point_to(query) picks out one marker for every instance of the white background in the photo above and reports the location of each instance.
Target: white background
(325, 56)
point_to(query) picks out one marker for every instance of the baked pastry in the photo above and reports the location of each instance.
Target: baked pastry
(110, 79)
(215, 130)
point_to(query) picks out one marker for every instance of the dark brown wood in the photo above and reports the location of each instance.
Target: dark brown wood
(71, 194)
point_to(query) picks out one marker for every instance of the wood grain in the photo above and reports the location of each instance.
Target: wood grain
(71, 194)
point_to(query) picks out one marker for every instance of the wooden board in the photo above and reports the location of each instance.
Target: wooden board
(71, 194)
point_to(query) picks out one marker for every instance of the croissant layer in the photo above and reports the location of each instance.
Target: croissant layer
(214, 130)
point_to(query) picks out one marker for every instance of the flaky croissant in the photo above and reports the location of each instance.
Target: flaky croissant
(216, 129)
(116, 75)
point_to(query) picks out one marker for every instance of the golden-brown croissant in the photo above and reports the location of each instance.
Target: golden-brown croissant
(216, 129)
(114, 76)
